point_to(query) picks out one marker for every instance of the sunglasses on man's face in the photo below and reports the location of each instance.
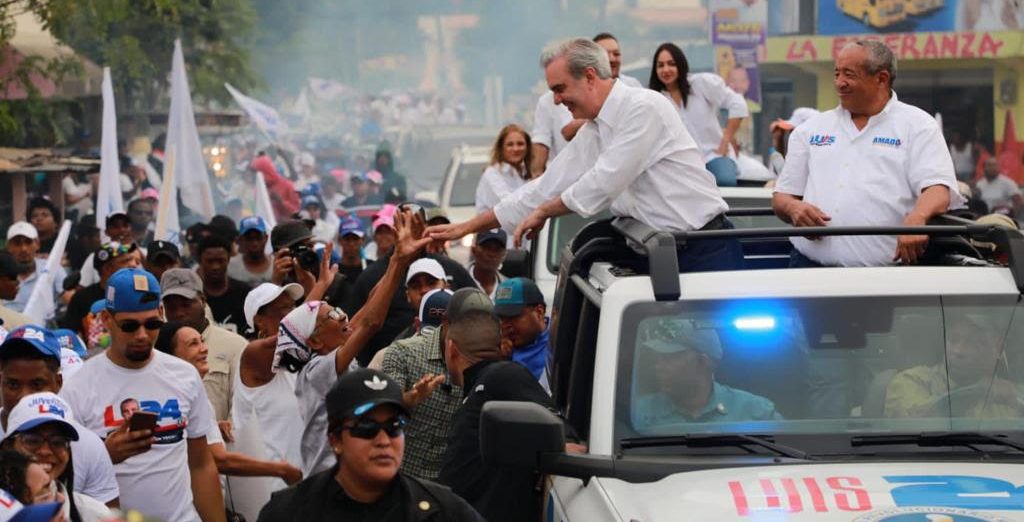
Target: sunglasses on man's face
(368, 428)
(131, 325)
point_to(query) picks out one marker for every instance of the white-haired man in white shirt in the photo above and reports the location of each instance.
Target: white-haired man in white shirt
(554, 126)
(632, 155)
(873, 160)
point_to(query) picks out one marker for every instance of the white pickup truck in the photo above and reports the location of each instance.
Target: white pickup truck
(860, 394)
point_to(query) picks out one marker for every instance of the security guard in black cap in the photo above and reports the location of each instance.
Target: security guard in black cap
(365, 422)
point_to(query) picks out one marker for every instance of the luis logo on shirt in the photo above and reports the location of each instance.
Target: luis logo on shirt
(893, 143)
(165, 432)
(822, 140)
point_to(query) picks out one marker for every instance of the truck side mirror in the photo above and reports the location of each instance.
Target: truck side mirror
(513, 434)
(517, 264)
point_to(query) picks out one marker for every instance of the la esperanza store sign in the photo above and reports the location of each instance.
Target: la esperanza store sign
(906, 46)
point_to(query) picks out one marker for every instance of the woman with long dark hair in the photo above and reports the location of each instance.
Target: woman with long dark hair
(37, 428)
(699, 97)
(509, 168)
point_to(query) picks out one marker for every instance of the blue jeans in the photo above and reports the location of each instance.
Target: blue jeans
(725, 171)
(708, 255)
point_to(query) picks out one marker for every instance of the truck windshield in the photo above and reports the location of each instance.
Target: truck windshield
(822, 365)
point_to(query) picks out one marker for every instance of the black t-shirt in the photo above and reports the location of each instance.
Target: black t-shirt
(228, 309)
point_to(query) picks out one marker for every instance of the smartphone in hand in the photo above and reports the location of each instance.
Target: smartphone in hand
(142, 420)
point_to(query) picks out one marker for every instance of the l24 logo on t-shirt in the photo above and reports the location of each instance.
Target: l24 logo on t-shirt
(165, 432)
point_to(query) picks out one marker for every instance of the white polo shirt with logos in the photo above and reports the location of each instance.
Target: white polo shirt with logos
(867, 177)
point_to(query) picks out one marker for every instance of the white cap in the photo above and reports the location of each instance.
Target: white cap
(22, 228)
(306, 159)
(37, 409)
(426, 266)
(802, 114)
(265, 294)
(70, 362)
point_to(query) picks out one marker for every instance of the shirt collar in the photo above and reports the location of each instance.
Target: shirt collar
(610, 108)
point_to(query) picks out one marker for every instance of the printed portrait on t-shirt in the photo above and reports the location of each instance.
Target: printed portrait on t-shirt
(170, 424)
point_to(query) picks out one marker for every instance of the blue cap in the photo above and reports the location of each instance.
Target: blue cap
(434, 307)
(252, 223)
(132, 290)
(35, 336)
(498, 235)
(351, 225)
(98, 306)
(513, 295)
(71, 341)
(13, 511)
(310, 200)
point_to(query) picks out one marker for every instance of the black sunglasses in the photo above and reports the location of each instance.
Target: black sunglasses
(131, 325)
(368, 429)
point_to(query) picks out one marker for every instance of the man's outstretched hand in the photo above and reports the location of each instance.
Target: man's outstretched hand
(410, 229)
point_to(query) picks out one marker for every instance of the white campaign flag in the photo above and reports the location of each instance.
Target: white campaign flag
(40, 305)
(109, 200)
(326, 90)
(185, 171)
(264, 116)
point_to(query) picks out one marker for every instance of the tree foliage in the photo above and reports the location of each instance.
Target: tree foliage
(136, 39)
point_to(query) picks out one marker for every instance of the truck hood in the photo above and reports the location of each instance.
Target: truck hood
(935, 492)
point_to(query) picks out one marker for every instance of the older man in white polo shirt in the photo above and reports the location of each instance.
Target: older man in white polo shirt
(633, 155)
(553, 124)
(872, 160)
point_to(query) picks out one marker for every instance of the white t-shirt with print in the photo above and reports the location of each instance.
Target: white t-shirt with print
(156, 483)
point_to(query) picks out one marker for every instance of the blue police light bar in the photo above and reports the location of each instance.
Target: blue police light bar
(754, 323)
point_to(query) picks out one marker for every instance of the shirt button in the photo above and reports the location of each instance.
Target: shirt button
(424, 505)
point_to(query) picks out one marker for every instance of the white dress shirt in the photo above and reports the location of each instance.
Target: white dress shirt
(866, 177)
(637, 158)
(497, 181)
(630, 81)
(548, 120)
(708, 95)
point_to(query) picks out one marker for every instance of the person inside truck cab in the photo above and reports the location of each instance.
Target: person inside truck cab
(686, 390)
(972, 383)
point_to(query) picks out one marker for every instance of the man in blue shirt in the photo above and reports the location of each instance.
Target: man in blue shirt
(684, 374)
(23, 244)
(519, 305)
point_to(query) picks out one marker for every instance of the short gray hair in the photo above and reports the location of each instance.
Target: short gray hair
(880, 57)
(580, 53)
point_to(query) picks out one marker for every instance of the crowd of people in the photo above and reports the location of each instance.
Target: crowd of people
(337, 362)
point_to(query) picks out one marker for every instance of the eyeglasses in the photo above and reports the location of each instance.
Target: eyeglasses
(33, 442)
(131, 325)
(368, 429)
(337, 314)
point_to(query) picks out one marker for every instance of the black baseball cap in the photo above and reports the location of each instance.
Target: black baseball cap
(115, 216)
(162, 248)
(492, 235)
(195, 232)
(357, 392)
(288, 233)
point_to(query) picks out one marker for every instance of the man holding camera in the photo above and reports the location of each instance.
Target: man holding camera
(295, 261)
